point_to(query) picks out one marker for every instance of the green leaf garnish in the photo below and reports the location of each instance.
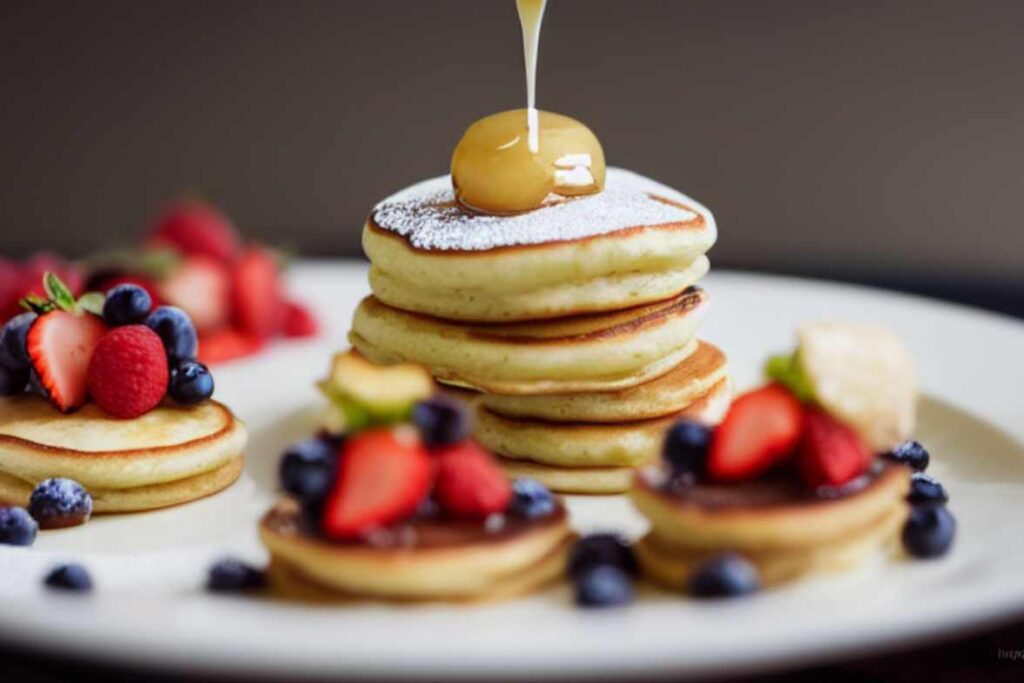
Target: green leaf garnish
(786, 370)
(58, 292)
(92, 302)
(36, 304)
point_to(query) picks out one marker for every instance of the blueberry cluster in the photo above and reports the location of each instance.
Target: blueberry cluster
(15, 366)
(54, 503)
(191, 381)
(603, 569)
(930, 529)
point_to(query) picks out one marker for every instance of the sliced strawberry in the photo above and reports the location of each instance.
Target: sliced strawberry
(383, 477)
(226, 344)
(256, 293)
(469, 481)
(201, 287)
(830, 453)
(197, 228)
(761, 428)
(60, 345)
(299, 321)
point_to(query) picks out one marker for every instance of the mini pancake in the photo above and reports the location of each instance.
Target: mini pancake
(585, 444)
(665, 395)
(441, 560)
(169, 455)
(585, 480)
(431, 256)
(771, 513)
(583, 353)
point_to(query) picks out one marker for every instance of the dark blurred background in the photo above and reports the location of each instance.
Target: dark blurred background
(874, 141)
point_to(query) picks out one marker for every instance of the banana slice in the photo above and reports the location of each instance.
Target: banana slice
(862, 374)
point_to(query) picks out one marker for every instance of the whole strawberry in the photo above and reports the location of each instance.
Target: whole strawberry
(128, 373)
(469, 482)
(197, 228)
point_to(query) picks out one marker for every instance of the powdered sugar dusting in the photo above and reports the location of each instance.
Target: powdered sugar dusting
(429, 217)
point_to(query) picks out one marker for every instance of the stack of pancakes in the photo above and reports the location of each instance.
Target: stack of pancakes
(575, 323)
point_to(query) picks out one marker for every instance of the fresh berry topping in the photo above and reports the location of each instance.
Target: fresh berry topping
(926, 489)
(128, 374)
(126, 305)
(686, 447)
(17, 526)
(299, 321)
(13, 342)
(256, 291)
(929, 531)
(761, 428)
(197, 228)
(61, 344)
(830, 453)
(469, 482)
(308, 469)
(602, 549)
(603, 586)
(383, 476)
(12, 382)
(176, 331)
(724, 576)
(912, 454)
(191, 383)
(201, 287)
(227, 344)
(531, 499)
(57, 503)
(69, 577)
(442, 420)
(106, 281)
(230, 576)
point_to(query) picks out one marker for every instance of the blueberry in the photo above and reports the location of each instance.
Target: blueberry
(601, 549)
(441, 420)
(724, 576)
(176, 331)
(69, 577)
(230, 575)
(912, 454)
(307, 469)
(686, 447)
(929, 531)
(604, 586)
(531, 499)
(191, 383)
(126, 305)
(926, 489)
(13, 346)
(12, 382)
(58, 502)
(17, 526)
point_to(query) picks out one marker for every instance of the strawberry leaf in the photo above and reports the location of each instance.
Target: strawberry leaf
(36, 304)
(92, 302)
(58, 292)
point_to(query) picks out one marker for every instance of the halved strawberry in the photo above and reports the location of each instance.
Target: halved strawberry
(761, 428)
(831, 453)
(299, 321)
(197, 228)
(469, 481)
(256, 293)
(60, 345)
(200, 286)
(226, 344)
(383, 477)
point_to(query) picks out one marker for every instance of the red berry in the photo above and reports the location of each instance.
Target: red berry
(61, 345)
(383, 477)
(469, 481)
(197, 228)
(299, 321)
(256, 293)
(831, 453)
(761, 428)
(128, 374)
(226, 344)
(200, 286)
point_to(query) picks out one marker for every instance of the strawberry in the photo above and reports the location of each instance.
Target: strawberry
(469, 481)
(200, 286)
(761, 428)
(831, 453)
(60, 345)
(256, 293)
(128, 372)
(299, 321)
(197, 228)
(226, 344)
(383, 477)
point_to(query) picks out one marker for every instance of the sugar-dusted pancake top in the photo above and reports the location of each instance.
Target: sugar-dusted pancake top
(427, 215)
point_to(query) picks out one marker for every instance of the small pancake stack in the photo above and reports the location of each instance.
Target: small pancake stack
(574, 325)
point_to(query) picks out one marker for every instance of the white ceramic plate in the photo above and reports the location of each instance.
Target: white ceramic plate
(149, 609)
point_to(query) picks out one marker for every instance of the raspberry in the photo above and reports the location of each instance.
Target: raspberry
(128, 373)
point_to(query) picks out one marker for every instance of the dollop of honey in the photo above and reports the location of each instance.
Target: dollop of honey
(496, 170)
